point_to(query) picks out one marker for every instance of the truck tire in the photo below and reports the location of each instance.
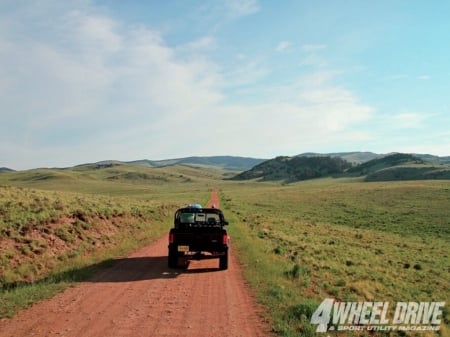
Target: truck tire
(172, 259)
(223, 262)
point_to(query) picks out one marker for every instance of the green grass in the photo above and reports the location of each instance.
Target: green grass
(58, 226)
(343, 239)
(299, 243)
(44, 234)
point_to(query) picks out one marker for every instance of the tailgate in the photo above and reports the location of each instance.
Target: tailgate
(199, 241)
(197, 238)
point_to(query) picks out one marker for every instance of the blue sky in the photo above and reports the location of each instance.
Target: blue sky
(84, 80)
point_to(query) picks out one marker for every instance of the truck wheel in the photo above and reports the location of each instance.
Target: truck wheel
(223, 262)
(172, 259)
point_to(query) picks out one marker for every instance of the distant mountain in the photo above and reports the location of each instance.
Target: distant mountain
(401, 166)
(352, 157)
(397, 166)
(226, 162)
(433, 159)
(296, 168)
(415, 172)
(99, 165)
(362, 157)
(384, 162)
(244, 163)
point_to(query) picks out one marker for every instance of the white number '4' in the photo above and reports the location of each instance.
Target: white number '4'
(322, 315)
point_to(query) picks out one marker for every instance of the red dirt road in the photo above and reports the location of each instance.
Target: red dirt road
(140, 296)
(214, 201)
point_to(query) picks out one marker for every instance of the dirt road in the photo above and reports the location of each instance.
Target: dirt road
(140, 296)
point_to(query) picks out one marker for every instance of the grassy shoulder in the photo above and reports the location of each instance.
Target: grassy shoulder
(49, 240)
(348, 240)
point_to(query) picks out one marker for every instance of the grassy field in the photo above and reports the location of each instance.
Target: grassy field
(299, 243)
(345, 239)
(60, 226)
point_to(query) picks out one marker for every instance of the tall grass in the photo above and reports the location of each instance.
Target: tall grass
(343, 239)
(57, 226)
(44, 233)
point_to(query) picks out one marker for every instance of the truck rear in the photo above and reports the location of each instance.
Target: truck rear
(198, 233)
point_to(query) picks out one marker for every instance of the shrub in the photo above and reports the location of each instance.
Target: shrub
(297, 271)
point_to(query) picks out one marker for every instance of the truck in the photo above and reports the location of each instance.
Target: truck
(198, 233)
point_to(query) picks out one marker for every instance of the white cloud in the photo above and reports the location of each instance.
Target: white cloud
(309, 113)
(90, 88)
(397, 77)
(282, 46)
(203, 44)
(313, 47)
(245, 71)
(242, 7)
(88, 76)
(436, 144)
(312, 55)
(93, 33)
(407, 120)
(320, 78)
(424, 77)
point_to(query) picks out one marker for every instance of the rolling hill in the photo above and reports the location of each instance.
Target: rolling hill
(352, 157)
(307, 165)
(92, 178)
(362, 157)
(291, 169)
(224, 162)
(374, 165)
(397, 166)
(400, 166)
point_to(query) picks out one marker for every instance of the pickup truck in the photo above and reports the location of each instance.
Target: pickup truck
(198, 233)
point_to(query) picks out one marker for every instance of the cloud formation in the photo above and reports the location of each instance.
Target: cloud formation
(79, 86)
(242, 7)
(282, 46)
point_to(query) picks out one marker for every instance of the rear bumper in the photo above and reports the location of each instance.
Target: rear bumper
(194, 249)
(202, 255)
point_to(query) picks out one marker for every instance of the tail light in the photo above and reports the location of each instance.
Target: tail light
(225, 239)
(171, 238)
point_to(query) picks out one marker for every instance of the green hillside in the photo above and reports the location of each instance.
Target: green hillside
(410, 172)
(352, 157)
(289, 169)
(384, 162)
(225, 162)
(41, 230)
(110, 178)
(400, 166)
(397, 166)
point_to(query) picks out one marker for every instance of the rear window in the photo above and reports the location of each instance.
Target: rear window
(199, 218)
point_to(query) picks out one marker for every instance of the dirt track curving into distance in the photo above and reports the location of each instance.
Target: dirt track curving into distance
(141, 296)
